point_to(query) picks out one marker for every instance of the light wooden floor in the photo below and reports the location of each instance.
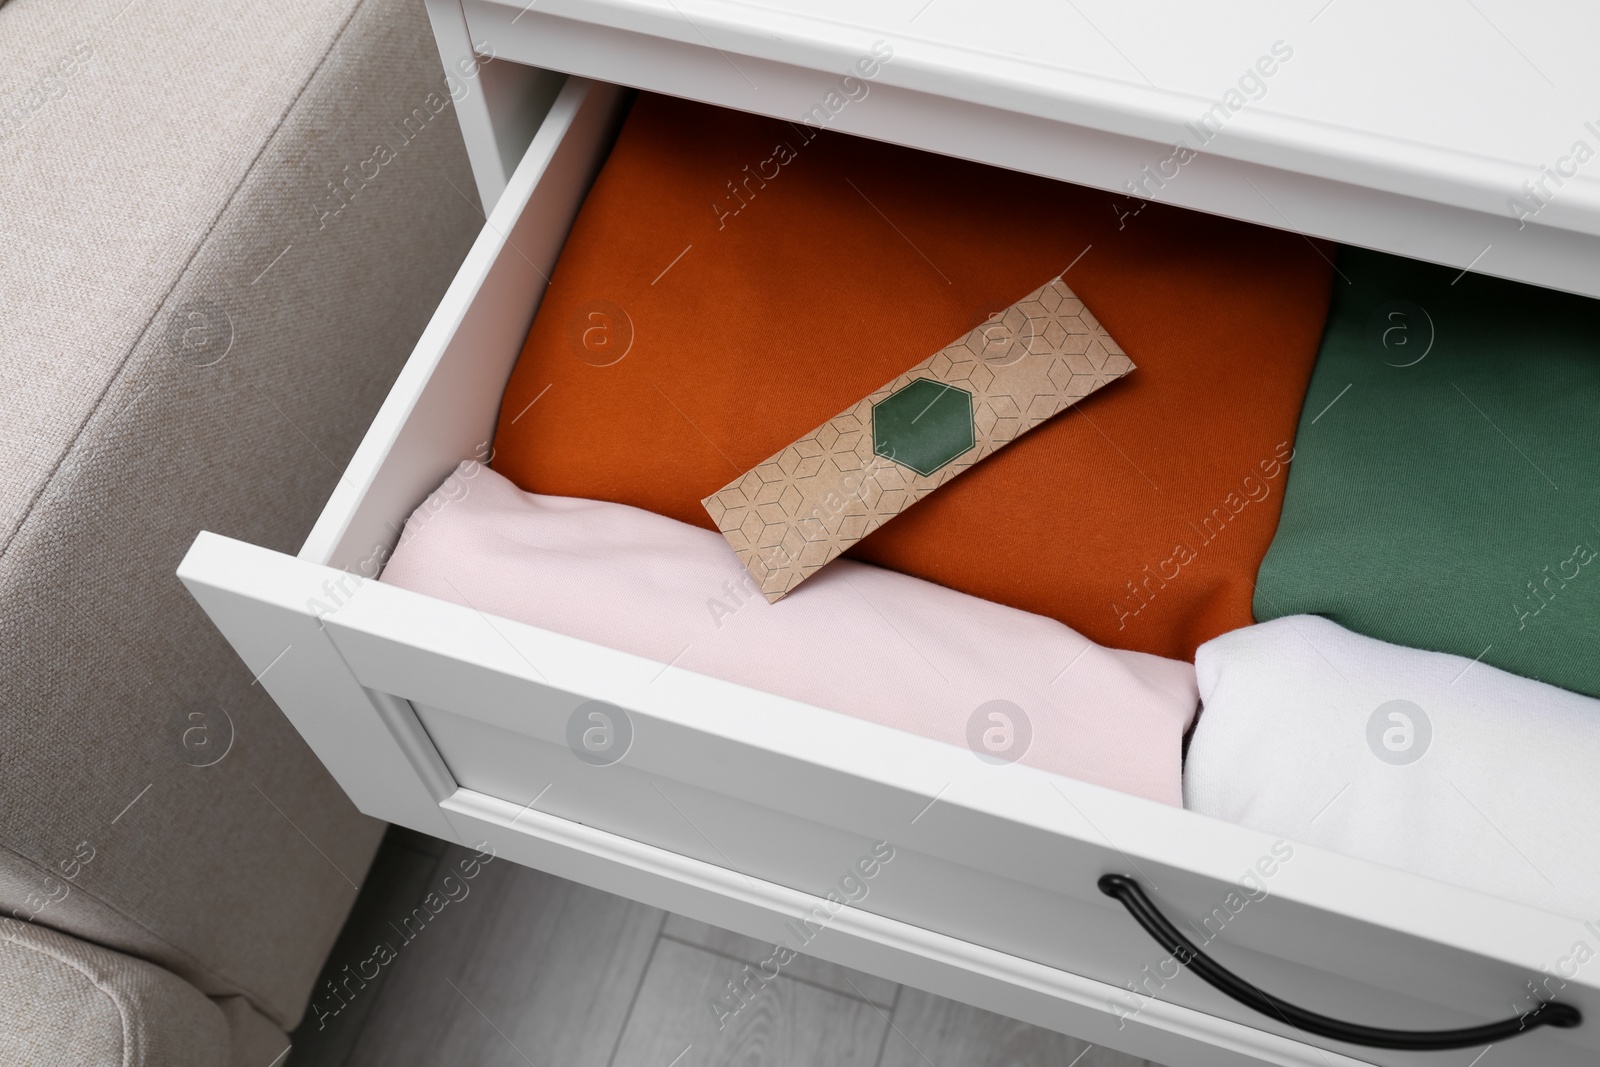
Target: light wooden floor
(528, 970)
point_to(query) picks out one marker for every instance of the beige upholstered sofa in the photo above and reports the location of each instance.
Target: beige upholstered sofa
(207, 285)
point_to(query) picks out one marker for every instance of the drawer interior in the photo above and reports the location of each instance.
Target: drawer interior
(1004, 857)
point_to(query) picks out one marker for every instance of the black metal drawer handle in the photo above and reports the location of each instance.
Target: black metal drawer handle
(1125, 889)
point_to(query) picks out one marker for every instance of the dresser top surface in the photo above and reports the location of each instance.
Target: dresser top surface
(1460, 101)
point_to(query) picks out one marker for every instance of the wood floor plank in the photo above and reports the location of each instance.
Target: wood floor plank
(401, 875)
(930, 1030)
(844, 980)
(523, 967)
(786, 1024)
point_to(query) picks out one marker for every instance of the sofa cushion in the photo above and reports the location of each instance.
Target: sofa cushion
(207, 297)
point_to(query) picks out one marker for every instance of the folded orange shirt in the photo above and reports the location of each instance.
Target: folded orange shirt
(732, 282)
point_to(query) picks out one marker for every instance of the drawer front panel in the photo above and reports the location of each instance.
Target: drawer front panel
(783, 794)
(1006, 857)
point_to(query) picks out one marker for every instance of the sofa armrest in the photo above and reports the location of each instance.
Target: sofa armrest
(68, 1001)
(203, 323)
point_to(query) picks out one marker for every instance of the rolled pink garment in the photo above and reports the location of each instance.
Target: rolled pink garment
(855, 639)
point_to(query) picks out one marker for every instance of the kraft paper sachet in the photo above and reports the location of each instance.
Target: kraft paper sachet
(791, 515)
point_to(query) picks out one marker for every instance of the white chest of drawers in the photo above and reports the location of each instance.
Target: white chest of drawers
(743, 809)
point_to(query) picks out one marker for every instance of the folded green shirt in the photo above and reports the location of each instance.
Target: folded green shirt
(1445, 487)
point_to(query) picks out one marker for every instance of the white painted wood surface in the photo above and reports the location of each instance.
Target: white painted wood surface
(269, 621)
(499, 104)
(753, 792)
(739, 808)
(1407, 129)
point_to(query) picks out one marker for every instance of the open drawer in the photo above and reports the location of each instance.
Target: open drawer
(748, 810)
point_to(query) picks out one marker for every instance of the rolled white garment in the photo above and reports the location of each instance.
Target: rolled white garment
(1418, 760)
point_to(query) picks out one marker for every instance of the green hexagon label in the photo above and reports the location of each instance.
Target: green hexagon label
(924, 426)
